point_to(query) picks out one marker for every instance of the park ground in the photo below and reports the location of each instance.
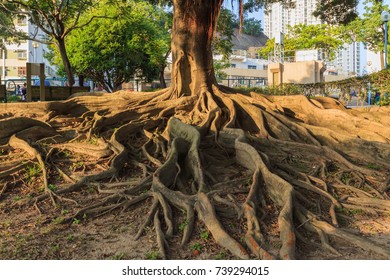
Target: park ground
(39, 232)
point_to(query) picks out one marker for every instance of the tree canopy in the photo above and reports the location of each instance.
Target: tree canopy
(129, 41)
(252, 26)
(336, 11)
(369, 27)
(323, 37)
(57, 19)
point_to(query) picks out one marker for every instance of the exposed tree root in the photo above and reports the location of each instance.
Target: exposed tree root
(247, 158)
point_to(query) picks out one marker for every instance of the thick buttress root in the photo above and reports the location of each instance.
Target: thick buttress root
(258, 161)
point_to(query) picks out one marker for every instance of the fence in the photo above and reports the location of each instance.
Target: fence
(52, 93)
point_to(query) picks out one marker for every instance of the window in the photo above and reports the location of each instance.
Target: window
(233, 65)
(252, 67)
(22, 54)
(22, 71)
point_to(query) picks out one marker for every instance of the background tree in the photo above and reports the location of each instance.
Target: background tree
(336, 11)
(223, 42)
(128, 42)
(5, 35)
(57, 19)
(369, 27)
(323, 37)
(252, 26)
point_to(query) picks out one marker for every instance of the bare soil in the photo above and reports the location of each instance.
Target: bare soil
(59, 199)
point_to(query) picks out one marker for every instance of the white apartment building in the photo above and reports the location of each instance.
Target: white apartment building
(278, 17)
(14, 58)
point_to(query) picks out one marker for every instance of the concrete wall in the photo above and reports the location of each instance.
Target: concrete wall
(57, 93)
(302, 72)
(332, 78)
(241, 72)
(51, 93)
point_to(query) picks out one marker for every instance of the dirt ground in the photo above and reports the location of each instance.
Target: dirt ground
(47, 230)
(27, 234)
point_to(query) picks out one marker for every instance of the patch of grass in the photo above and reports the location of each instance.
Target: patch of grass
(76, 165)
(32, 171)
(5, 224)
(232, 226)
(118, 256)
(17, 198)
(373, 166)
(356, 211)
(196, 246)
(70, 238)
(91, 189)
(58, 220)
(153, 255)
(248, 180)
(220, 256)
(93, 141)
(54, 248)
(205, 235)
(76, 221)
(66, 154)
(52, 187)
(349, 212)
(183, 225)
(346, 177)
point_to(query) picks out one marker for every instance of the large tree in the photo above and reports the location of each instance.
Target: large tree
(276, 168)
(56, 19)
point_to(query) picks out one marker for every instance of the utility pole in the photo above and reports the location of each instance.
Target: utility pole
(385, 18)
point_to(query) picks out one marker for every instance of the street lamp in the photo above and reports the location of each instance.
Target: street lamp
(385, 18)
(35, 45)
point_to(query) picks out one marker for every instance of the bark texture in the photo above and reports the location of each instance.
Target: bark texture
(193, 28)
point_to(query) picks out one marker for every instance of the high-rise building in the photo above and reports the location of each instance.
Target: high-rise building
(15, 56)
(278, 17)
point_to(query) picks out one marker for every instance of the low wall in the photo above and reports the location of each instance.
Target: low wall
(56, 92)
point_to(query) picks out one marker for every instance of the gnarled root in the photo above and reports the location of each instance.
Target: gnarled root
(271, 166)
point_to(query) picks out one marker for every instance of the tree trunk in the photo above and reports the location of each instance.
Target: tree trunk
(64, 56)
(161, 77)
(81, 80)
(194, 23)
